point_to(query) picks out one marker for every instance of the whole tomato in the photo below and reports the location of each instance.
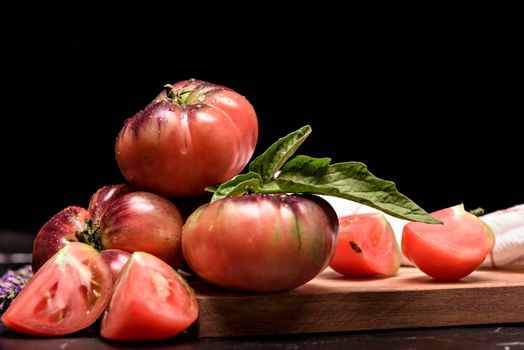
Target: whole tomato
(262, 243)
(194, 135)
(117, 218)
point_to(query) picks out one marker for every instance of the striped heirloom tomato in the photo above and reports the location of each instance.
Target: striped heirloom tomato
(263, 243)
(194, 134)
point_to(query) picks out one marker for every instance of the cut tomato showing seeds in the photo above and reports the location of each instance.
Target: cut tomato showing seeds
(67, 294)
(150, 301)
(366, 246)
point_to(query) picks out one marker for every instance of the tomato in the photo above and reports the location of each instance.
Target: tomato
(58, 231)
(366, 246)
(117, 218)
(195, 135)
(67, 294)
(115, 259)
(262, 243)
(150, 301)
(449, 251)
(143, 221)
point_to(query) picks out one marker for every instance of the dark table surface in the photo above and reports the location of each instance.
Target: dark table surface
(496, 336)
(504, 337)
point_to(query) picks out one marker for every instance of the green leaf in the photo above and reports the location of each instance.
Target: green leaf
(269, 162)
(303, 174)
(349, 180)
(238, 185)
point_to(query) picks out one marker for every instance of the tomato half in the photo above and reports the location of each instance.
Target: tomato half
(67, 294)
(449, 251)
(366, 246)
(262, 243)
(150, 301)
(195, 135)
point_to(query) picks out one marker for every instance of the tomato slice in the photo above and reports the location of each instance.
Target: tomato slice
(366, 246)
(449, 251)
(67, 294)
(150, 301)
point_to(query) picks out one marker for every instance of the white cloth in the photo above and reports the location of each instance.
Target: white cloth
(507, 225)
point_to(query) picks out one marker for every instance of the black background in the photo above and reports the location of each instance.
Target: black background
(435, 109)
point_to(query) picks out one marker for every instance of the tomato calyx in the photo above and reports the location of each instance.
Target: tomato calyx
(477, 212)
(89, 235)
(183, 96)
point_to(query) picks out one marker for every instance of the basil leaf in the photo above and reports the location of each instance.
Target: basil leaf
(303, 174)
(238, 185)
(269, 162)
(349, 180)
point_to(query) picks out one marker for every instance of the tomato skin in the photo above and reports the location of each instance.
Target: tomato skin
(366, 246)
(150, 301)
(56, 233)
(143, 221)
(261, 243)
(115, 260)
(177, 149)
(450, 251)
(67, 294)
(122, 219)
(104, 198)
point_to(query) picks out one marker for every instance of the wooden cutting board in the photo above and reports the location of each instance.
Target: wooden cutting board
(331, 303)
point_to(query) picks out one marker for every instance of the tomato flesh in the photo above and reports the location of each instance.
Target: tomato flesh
(449, 251)
(67, 294)
(366, 246)
(150, 301)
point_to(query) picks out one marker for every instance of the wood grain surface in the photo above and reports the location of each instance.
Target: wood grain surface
(332, 303)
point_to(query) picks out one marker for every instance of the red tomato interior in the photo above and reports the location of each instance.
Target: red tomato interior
(68, 293)
(366, 246)
(150, 301)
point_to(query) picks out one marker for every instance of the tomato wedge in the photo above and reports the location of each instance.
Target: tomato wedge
(67, 294)
(366, 246)
(150, 301)
(450, 251)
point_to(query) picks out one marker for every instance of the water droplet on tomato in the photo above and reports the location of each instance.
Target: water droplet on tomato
(201, 98)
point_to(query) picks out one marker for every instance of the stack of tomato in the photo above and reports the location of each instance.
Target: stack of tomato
(119, 256)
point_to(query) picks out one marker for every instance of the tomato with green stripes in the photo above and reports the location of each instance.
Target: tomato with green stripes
(262, 242)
